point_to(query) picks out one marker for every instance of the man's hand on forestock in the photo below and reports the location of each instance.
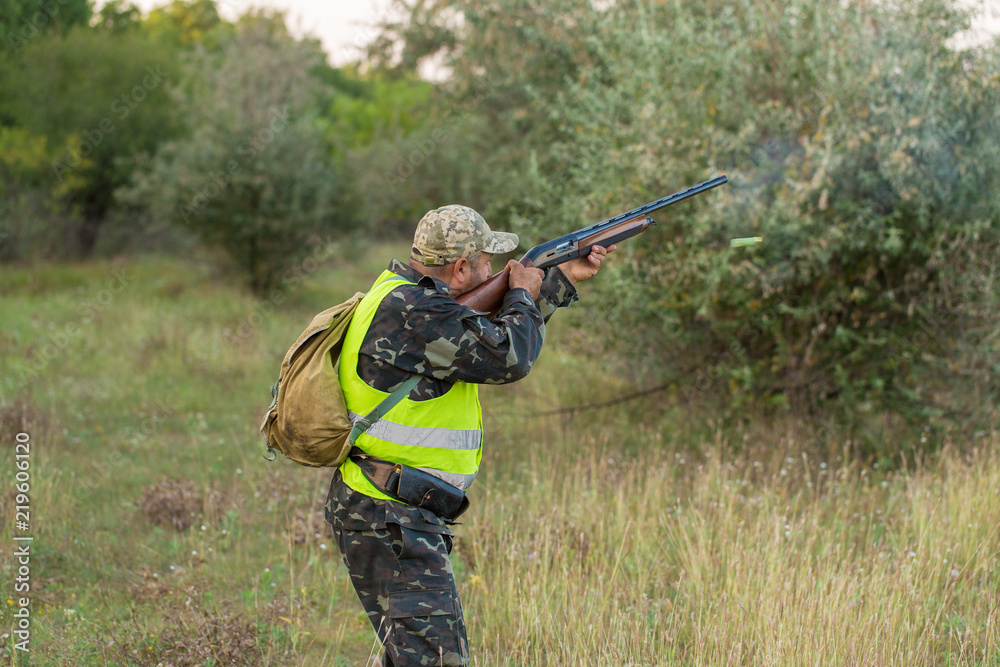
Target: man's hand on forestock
(587, 267)
(522, 276)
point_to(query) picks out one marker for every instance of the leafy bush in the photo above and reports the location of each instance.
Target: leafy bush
(860, 141)
(21, 21)
(254, 176)
(409, 147)
(97, 106)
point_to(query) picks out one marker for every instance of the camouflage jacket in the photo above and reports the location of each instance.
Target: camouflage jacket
(421, 329)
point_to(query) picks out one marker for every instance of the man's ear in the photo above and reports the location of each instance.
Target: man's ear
(461, 270)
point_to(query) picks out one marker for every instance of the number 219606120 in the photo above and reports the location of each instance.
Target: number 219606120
(22, 452)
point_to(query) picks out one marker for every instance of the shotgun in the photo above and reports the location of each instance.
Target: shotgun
(488, 297)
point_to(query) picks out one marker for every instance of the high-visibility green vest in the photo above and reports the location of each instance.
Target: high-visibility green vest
(442, 436)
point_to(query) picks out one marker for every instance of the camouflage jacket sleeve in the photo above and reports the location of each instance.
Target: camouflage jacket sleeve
(421, 329)
(557, 292)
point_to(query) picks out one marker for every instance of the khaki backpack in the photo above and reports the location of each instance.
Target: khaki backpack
(307, 420)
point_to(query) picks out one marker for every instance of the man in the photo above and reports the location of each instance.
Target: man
(428, 447)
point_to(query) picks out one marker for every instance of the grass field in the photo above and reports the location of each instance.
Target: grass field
(635, 534)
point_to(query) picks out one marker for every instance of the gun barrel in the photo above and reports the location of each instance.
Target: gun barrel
(612, 230)
(488, 296)
(669, 199)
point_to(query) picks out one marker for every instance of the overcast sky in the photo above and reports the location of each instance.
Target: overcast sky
(343, 26)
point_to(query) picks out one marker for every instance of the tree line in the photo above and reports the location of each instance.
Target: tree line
(124, 132)
(860, 140)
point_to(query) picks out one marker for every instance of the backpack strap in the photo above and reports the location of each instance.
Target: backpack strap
(382, 408)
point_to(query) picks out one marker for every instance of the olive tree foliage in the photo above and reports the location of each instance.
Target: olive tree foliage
(28, 194)
(21, 21)
(98, 99)
(860, 141)
(405, 143)
(506, 61)
(254, 176)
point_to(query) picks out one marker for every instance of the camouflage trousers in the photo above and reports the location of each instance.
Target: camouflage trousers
(398, 559)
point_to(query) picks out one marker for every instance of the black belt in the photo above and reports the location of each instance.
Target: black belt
(412, 485)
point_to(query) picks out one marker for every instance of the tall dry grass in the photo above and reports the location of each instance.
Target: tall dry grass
(631, 535)
(737, 555)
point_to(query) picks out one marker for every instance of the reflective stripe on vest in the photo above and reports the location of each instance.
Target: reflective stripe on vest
(419, 436)
(442, 436)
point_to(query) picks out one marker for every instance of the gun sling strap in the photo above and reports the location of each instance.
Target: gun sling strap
(382, 408)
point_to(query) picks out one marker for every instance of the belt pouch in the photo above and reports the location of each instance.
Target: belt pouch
(427, 491)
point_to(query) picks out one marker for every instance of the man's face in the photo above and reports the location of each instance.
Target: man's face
(481, 269)
(472, 273)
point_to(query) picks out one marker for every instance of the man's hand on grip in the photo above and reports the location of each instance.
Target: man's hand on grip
(522, 276)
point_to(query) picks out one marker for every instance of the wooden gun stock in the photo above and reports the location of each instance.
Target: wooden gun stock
(488, 297)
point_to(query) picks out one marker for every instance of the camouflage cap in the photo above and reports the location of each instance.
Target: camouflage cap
(449, 233)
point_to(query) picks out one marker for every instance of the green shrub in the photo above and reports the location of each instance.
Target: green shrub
(98, 105)
(860, 142)
(254, 176)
